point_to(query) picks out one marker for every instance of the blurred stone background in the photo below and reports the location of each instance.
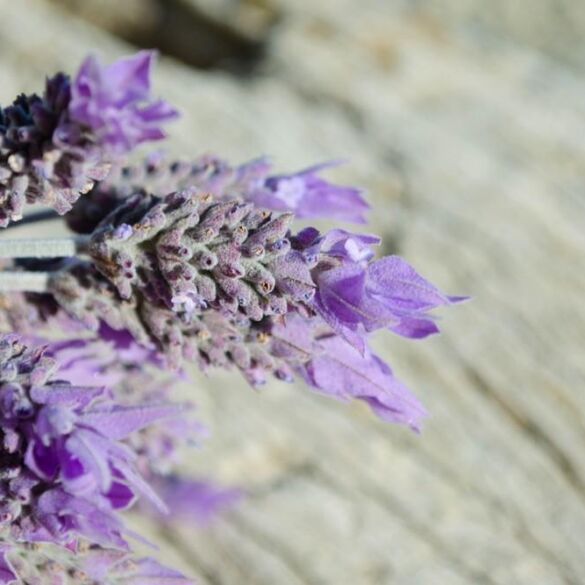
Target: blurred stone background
(465, 121)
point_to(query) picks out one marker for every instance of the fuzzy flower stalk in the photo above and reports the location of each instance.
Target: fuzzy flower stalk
(171, 262)
(54, 147)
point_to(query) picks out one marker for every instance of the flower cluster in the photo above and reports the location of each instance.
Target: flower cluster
(214, 280)
(182, 261)
(55, 147)
(65, 469)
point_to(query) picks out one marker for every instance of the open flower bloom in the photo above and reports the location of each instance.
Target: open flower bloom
(65, 468)
(357, 295)
(310, 196)
(54, 148)
(114, 101)
(330, 365)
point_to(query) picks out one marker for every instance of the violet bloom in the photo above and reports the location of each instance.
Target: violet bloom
(304, 193)
(310, 196)
(115, 102)
(329, 364)
(65, 471)
(55, 148)
(210, 280)
(357, 295)
(339, 370)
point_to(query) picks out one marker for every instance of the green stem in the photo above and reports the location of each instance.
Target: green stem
(24, 281)
(44, 248)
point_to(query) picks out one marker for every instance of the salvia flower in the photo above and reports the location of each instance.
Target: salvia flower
(214, 281)
(357, 294)
(305, 193)
(65, 470)
(55, 147)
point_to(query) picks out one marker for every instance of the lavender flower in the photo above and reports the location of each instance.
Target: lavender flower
(54, 148)
(193, 261)
(212, 281)
(309, 196)
(357, 295)
(304, 193)
(64, 470)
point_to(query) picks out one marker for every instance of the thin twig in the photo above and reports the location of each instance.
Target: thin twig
(24, 281)
(44, 248)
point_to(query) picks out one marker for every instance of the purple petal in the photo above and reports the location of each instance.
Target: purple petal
(93, 459)
(63, 513)
(150, 572)
(141, 486)
(310, 196)
(115, 103)
(293, 339)
(76, 478)
(343, 372)
(118, 422)
(7, 574)
(394, 281)
(190, 499)
(42, 460)
(341, 291)
(414, 328)
(128, 79)
(120, 496)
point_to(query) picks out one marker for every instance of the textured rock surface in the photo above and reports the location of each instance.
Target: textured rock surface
(474, 157)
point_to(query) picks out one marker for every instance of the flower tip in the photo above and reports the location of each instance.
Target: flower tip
(456, 299)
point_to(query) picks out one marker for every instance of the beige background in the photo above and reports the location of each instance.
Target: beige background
(465, 120)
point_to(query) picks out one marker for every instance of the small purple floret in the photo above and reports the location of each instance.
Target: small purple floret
(357, 295)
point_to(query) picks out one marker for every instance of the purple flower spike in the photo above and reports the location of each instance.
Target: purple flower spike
(115, 102)
(54, 148)
(64, 470)
(310, 196)
(304, 193)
